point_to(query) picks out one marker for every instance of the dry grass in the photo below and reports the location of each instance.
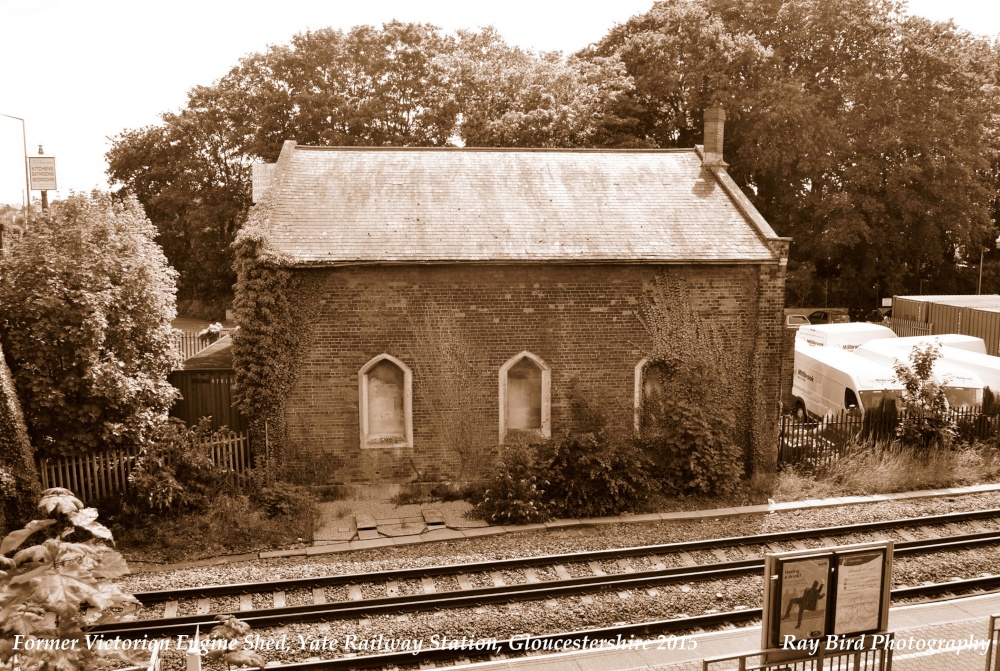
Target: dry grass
(881, 468)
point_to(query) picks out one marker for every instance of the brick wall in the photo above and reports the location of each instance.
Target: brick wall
(455, 326)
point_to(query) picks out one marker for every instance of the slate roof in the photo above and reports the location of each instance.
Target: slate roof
(399, 205)
(217, 356)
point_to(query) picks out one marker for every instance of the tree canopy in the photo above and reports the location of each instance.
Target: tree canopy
(86, 302)
(866, 135)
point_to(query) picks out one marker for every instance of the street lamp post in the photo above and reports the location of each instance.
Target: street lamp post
(27, 182)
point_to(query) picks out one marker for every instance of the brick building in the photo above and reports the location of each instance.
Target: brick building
(460, 297)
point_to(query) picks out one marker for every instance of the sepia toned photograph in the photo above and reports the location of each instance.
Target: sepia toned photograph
(653, 335)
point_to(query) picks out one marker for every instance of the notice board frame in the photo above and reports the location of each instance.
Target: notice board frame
(836, 556)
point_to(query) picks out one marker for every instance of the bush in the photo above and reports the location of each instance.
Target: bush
(285, 499)
(514, 494)
(927, 423)
(590, 476)
(175, 471)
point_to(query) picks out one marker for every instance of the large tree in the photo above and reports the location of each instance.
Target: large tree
(856, 130)
(402, 84)
(86, 302)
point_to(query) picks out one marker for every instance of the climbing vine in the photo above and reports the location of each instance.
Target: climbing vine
(696, 416)
(274, 311)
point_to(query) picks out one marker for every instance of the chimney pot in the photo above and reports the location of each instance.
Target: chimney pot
(715, 121)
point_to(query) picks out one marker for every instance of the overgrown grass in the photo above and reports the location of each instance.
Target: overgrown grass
(884, 467)
(232, 525)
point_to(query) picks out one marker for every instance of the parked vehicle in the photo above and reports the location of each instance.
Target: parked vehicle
(985, 366)
(795, 321)
(843, 336)
(952, 340)
(829, 380)
(828, 317)
(962, 388)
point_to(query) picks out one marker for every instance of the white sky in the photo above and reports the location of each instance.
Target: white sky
(81, 71)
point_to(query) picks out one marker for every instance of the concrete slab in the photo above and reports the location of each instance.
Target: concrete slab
(433, 517)
(641, 518)
(363, 521)
(367, 534)
(327, 549)
(442, 535)
(271, 554)
(367, 545)
(562, 524)
(483, 531)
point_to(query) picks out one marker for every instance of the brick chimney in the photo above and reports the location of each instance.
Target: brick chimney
(715, 122)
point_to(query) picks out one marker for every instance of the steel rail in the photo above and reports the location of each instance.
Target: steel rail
(270, 617)
(568, 558)
(619, 636)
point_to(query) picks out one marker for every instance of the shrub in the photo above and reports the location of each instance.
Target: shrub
(285, 499)
(690, 439)
(927, 423)
(514, 494)
(175, 471)
(590, 476)
(51, 590)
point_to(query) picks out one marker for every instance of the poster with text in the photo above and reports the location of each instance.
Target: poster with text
(803, 598)
(859, 592)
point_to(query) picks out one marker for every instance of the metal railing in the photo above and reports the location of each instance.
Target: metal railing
(862, 653)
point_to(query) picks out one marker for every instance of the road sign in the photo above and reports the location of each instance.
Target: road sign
(42, 170)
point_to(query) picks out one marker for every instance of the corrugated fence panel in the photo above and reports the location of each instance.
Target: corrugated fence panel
(906, 308)
(985, 324)
(946, 318)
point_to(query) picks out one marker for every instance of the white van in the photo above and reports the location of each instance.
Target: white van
(828, 380)
(962, 388)
(985, 366)
(843, 336)
(956, 340)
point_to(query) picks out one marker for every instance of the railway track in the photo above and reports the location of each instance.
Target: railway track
(659, 634)
(529, 585)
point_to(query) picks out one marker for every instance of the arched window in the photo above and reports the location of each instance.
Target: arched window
(650, 391)
(524, 396)
(386, 403)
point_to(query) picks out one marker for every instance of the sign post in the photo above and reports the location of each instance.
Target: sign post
(43, 175)
(817, 599)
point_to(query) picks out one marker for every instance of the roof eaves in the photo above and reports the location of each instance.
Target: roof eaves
(740, 200)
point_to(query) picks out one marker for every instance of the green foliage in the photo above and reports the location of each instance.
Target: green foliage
(52, 590)
(514, 493)
(690, 440)
(862, 133)
(927, 423)
(85, 311)
(698, 390)
(274, 330)
(590, 476)
(18, 474)
(174, 471)
(285, 499)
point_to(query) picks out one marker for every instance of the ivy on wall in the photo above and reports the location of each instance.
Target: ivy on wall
(698, 428)
(275, 308)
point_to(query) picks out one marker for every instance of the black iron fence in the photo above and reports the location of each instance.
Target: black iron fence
(816, 444)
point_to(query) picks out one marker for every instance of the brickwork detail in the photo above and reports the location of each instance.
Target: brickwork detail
(580, 319)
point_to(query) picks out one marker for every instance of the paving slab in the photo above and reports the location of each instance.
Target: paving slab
(363, 521)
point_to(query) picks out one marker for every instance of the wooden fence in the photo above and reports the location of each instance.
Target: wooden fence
(95, 476)
(817, 444)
